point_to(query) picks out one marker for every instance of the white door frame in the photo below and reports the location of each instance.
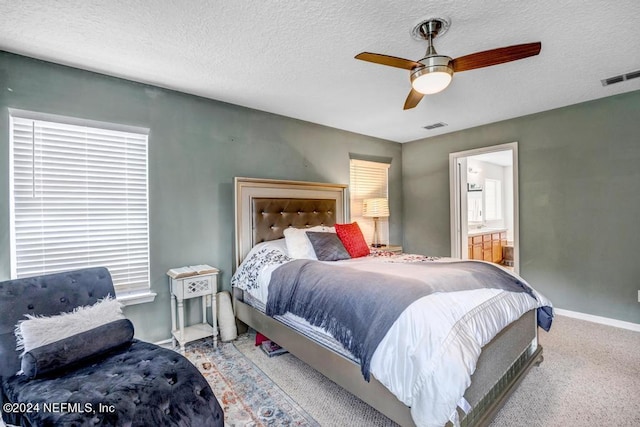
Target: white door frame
(457, 186)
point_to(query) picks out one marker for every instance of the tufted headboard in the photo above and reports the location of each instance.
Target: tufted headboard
(46, 295)
(272, 216)
(265, 208)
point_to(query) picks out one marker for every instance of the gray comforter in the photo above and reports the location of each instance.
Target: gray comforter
(359, 307)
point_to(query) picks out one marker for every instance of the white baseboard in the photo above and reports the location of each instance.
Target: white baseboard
(163, 343)
(598, 319)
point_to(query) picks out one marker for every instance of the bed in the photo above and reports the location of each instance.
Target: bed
(264, 210)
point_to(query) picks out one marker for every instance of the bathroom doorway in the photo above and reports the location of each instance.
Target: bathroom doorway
(484, 204)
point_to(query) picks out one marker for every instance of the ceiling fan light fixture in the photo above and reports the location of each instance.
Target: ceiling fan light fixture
(434, 77)
(431, 82)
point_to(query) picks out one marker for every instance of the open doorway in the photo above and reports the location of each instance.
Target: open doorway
(484, 204)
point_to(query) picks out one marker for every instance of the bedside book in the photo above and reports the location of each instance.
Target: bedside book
(192, 270)
(272, 349)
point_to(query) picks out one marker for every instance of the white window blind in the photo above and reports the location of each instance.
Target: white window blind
(493, 199)
(79, 199)
(368, 180)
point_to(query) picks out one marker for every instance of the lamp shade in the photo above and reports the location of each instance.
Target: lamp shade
(431, 83)
(376, 208)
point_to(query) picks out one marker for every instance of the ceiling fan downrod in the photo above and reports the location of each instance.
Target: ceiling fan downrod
(428, 30)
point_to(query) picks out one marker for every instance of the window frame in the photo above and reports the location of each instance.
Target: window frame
(493, 202)
(357, 195)
(126, 293)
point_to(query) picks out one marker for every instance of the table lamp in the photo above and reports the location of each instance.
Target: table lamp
(375, 208)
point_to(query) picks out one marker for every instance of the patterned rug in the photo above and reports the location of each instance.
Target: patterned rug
(248, 397)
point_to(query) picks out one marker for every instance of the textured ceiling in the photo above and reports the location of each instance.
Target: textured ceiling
(295, 58)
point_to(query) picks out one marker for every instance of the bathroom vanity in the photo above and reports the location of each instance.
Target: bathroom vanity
(486, 244)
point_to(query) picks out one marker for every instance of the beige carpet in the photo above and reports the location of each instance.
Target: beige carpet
(590, 377)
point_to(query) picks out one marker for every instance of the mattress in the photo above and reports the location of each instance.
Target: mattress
(318, 335)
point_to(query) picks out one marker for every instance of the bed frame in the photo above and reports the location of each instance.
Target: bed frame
(265, 208)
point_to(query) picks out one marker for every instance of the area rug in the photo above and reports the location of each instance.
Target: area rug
(247, 395)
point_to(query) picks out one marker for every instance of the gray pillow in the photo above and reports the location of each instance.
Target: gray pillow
(327, 246)
(68, 352)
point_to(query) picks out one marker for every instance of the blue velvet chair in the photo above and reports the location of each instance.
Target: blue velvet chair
(145, 384)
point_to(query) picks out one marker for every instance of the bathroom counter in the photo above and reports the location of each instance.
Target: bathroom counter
(485, 230)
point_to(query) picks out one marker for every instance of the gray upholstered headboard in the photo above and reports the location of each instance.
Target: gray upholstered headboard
(272, 216)
(265, 208)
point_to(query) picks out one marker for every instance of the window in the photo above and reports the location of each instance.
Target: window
(368, 180)
(493, 199)
(79, 199)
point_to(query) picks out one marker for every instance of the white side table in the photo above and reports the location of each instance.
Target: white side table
(192, 287)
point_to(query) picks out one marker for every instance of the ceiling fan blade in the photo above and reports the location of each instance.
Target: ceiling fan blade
(491, 57)
(392, 61)
(413, 99)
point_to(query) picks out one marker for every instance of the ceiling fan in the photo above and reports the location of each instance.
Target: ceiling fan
(434, 72)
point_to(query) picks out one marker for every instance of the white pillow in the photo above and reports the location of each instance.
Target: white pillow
(279, 245)
(38, 331)
(298, 244)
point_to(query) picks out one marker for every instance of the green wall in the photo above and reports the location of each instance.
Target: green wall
(196, 147)
(579, 183)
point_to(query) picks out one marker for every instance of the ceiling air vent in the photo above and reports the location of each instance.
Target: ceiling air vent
(621, 78)
(435, 126)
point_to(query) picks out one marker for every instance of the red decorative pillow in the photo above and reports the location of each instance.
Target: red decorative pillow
(352, 239)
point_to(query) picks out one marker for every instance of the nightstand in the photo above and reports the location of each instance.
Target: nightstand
(183, 288)
(396, 249)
